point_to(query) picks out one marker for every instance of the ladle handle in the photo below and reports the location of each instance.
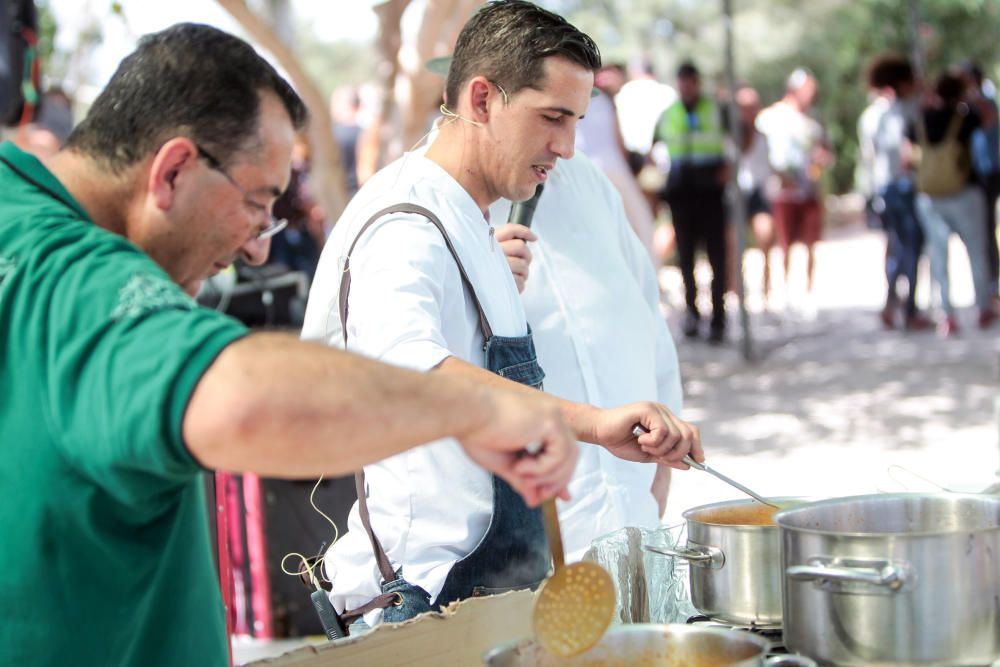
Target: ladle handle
(737, 485)
(694, 464)
(550, 518)
(638, 430)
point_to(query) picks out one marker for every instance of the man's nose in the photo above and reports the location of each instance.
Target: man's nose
(564, 143)
(255, 251)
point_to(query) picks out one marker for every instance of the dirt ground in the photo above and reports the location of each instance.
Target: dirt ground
(835, 404)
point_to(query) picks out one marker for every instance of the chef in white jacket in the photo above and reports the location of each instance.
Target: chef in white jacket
(592, 300)
(412, 275)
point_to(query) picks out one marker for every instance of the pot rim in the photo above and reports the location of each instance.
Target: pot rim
(781, 518)
(688, 514)
(644, 628)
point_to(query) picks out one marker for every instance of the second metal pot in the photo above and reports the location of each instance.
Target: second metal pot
(893, 579)
(734, 553)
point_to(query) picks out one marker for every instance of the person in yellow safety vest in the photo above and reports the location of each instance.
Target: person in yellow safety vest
(695, 189)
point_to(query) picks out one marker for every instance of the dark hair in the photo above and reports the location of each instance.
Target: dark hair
(188, 80)
(950, 87)
(507, 41)
(972, 69)
(687, 70)
(890, 71)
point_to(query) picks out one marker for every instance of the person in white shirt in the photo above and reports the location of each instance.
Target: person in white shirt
(412, 275)
(593, 304)
(752, 176)
(600, 137)
(799, 153)
(640, 103)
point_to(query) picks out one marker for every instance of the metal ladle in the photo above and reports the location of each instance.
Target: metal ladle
(638, 430)
(575, 605)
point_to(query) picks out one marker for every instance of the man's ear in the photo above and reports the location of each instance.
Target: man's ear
(175, 157)
(479, 97)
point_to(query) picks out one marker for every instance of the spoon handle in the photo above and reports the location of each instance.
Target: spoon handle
(551, 519)
(638, 430)
(735, 484)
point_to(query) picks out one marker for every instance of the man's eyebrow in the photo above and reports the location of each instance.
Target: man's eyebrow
(562, 111)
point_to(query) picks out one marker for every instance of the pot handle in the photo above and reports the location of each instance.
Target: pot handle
(889, 575)
(789, 661)
(709, 557)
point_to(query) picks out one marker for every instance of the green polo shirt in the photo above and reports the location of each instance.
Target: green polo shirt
(104, 555)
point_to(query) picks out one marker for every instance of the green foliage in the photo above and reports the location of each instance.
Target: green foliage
(46, 31)
(333, 64)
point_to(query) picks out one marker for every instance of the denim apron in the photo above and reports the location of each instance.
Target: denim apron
(513, 554)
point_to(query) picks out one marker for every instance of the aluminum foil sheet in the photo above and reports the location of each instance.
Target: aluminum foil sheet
(651, 588)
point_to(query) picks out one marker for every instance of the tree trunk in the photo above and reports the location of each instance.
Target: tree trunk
(439, 28)
(327, 174)
(374, 145)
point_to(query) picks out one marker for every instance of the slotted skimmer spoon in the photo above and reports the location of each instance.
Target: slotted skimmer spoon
(638, 430)
(575, 605)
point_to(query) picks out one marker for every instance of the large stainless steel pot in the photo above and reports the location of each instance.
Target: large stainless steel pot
(653, 645)
(893, 579)
(733, 549)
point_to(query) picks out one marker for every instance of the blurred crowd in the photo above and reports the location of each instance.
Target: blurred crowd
(680, 153)
(930, 167)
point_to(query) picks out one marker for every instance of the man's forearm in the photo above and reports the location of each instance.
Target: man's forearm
(580, 417)
(278, 406)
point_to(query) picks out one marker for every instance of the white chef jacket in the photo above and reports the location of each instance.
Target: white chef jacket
(431, 505)
(640, 104)
(597, 134)
(593, 304)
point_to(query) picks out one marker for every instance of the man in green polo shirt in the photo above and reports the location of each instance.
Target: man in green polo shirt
(117, 391)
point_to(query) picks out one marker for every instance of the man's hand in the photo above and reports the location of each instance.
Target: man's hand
(513, 239)
(668, 438)
(520, 422)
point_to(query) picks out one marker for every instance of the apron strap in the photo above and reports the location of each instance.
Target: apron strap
(381, 602)
(345, 278)
(384, 565)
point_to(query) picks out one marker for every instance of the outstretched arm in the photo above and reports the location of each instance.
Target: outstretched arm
(668, 440)
(274, 405)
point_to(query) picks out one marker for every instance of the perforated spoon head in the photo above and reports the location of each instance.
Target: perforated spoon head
(574, 608)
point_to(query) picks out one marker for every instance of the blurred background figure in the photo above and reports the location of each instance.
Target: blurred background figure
(753, 176)
(894, 192)
(297, 247)
(981, 95)
(640, 103)
(51, 125)
(345, 106)
(690, 129)
(950, 200)
(879, 99)
(799, 153)
(599, 137)
(20, 69)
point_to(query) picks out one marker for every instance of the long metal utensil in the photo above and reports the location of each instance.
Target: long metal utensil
(576, 604)
(638, 430)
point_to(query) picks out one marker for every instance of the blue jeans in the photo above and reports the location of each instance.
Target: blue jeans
(963, 214)
(905, 239)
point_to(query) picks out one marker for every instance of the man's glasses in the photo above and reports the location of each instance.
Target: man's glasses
(274, 225)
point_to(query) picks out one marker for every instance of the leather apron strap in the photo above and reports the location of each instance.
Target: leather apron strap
(384, 565)
(345, 278)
